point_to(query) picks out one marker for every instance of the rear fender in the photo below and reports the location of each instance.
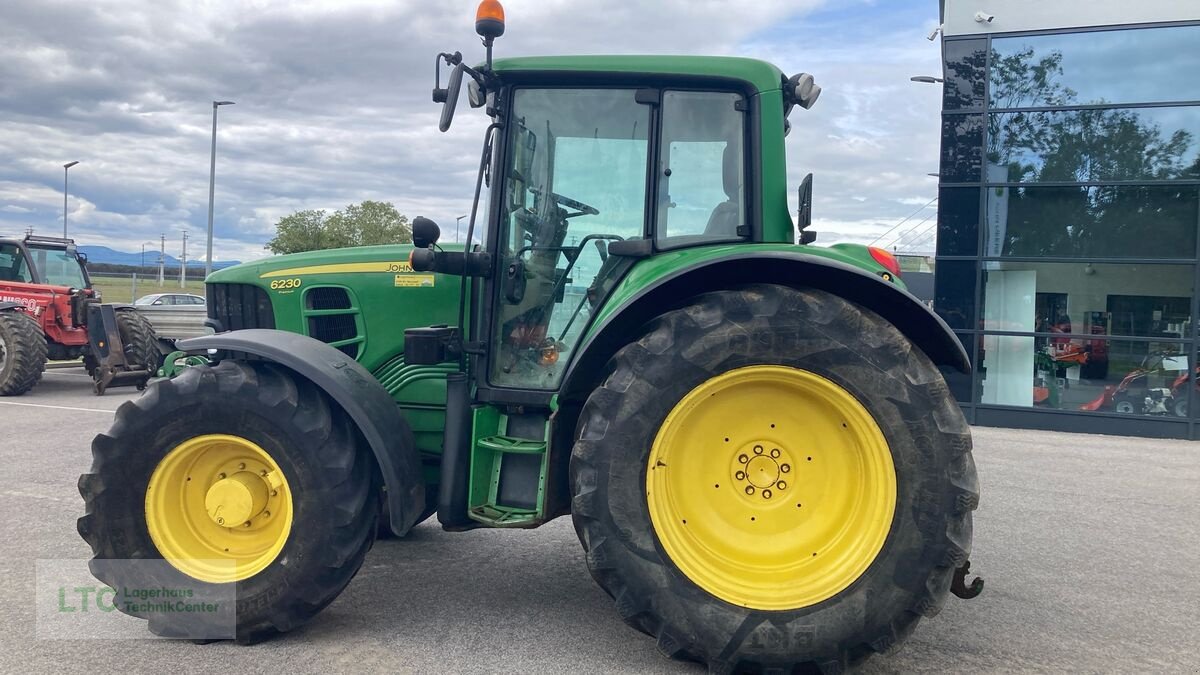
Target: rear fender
(357, 392)
(586, 372)
(902, 309)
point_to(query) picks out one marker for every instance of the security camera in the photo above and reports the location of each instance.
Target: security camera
(984, 17)
(934, 33)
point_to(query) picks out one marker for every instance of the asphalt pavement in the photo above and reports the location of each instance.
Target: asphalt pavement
(1090, 547)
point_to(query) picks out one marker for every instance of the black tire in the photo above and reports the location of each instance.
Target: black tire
(22, 352)
(333, 484)
(137, 334)
(811, 330)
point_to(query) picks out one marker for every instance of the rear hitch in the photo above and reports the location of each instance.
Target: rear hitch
(959, 585)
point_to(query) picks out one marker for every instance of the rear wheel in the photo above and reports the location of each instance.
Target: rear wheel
(773, 479)
(234, 474)
(22, 353)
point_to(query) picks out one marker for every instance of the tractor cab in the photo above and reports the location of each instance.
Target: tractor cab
(594, 164)
(49, 261)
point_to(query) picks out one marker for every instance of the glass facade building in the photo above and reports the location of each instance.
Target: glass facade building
(1067, 245)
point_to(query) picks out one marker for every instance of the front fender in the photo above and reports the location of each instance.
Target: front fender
(357, 392)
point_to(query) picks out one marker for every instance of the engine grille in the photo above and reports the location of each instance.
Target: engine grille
(239, 306)
(327, 297)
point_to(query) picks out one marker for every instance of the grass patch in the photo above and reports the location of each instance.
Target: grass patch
(116, 289)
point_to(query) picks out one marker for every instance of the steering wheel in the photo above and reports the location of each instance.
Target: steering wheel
(581, 209)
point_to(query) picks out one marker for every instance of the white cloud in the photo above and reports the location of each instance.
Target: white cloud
(333, 105)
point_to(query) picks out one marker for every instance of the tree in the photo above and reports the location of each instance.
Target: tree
(367, 224)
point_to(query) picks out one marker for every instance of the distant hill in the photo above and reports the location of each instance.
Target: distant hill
(107, 256)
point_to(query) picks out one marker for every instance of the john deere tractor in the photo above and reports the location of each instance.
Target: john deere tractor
(751, 434)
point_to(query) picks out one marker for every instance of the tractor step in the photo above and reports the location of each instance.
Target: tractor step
(508, 469)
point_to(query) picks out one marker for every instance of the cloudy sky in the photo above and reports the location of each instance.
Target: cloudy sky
(332, 105)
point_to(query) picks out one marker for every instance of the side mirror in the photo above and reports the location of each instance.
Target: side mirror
(452, 89)
(425, 232)
(804, 217)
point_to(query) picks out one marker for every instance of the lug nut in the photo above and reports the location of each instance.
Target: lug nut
(274, 493)
(220, 521)
(785, 467)
(781, 485)
(749, 489)
(766, 494)
(741, 475)
(758, 449)
(221, 475)
(242, 466)
(775, 452)
(743, 459)
(246, 524)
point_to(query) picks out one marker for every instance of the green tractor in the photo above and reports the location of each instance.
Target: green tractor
(750, 433)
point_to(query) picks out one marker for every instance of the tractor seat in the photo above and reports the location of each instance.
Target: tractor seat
(727, 216)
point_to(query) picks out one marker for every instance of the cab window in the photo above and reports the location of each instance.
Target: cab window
(12, 265)
(574, 181)
(701, 172)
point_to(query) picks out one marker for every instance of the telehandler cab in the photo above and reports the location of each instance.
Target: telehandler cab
(751, 433)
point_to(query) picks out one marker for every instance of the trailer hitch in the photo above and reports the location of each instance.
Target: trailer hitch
(959, 587)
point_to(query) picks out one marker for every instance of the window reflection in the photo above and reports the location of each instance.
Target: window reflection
(1119, 66)
(962, 148)
(1095, 145)
(964, 74)
(1088, 298)
(1088, 375)
(958, 221)
(1105, 222)
(954, 292)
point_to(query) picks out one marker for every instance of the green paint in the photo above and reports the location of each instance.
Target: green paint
(385, 297)
(759, 75)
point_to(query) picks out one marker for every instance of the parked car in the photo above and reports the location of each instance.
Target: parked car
(160, 299)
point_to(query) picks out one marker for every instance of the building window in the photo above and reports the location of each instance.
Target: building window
(1068, 215)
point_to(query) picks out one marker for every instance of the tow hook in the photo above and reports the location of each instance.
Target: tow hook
(959, 585)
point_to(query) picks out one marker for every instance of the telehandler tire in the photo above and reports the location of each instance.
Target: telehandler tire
(23, 352)
(177, 458)
(773, 480)
(137, 334)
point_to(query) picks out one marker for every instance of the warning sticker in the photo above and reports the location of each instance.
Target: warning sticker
(414, 280)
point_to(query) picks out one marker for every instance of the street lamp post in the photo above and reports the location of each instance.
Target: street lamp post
(926, 79)
(212, 182)
(66, 168)
(457, 225)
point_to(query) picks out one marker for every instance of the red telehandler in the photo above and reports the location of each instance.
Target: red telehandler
(49, 311)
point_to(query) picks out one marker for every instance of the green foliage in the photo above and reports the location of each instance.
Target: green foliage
(366, 224)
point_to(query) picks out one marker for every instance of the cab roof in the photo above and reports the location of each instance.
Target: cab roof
(759, 75)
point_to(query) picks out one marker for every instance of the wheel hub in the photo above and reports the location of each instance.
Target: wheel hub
(760, 469)
(235, 500)
(218, 508)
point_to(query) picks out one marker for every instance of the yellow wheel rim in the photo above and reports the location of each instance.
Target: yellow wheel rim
(218, 508)
(771, 487)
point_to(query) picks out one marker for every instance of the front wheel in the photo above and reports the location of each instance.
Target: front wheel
(22, 352)
(247, 481)
(773, 479)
